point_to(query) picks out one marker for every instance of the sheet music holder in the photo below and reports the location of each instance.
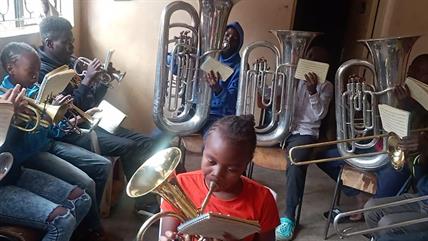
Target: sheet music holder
(54, 83)
(110, 117)
(305, 66)
(418, 91)
(215, 225)
(395, 120)
(6, 113)
(211, 64)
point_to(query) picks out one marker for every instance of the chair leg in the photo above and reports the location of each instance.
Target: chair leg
(334, 201)
(299, 207)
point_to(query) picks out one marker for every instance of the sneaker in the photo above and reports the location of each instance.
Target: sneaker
(285, 230)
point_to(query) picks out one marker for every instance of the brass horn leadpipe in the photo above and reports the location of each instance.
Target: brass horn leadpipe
(392, 149)
(345, 232)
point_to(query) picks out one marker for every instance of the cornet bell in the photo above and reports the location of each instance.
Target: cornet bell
(395, 153)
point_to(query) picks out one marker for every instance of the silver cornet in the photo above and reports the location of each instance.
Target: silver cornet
(82, 63)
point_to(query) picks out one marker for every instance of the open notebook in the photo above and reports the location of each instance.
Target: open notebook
(6, 113)
(54, 83)
(215, 225)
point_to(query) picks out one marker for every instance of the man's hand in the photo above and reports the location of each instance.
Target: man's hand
(214, 81)
(353, 78)
(173, 236)
(402, 92)
(62, 99)
(409, 143)
(311, 81)
(15, 96)
(94, 68)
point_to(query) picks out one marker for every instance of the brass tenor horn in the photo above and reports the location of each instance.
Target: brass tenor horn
(154, 176)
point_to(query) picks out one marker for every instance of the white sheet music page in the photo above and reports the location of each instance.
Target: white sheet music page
(211, 64)
(53, 84)
(305, 66)
(6, 113)
(111, 117)
(394, 120)
(418, 91)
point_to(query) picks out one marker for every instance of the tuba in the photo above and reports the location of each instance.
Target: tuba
(155, 176)
(277, 86)
(181, 94)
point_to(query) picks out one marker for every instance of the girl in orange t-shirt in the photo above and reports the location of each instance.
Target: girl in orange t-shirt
(228, 147)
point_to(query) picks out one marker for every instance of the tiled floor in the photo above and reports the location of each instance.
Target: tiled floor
(318, 193)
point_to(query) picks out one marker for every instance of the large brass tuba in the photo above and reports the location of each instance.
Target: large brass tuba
(155, 176)
(182, 95)
(390, 58)
(279, 90)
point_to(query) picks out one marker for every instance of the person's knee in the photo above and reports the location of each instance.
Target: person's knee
(57, 212)
(61, 221)
(80, 196)
(385, 221)
(75, 193)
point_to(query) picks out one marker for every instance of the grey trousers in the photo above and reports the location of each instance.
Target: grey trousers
(387, 216)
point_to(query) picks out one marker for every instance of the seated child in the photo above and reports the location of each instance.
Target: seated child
(35, 199)
(229, 146)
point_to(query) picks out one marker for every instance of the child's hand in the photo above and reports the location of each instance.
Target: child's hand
(311, 82)
(214, 81)
(173, 236)
(15, 96)
(62, 99)
(92, 71)
(402, 92)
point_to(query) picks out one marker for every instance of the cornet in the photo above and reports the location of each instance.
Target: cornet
(154, 176)
(82, 63)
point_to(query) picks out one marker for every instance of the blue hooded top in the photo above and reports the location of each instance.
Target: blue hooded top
(224, 102)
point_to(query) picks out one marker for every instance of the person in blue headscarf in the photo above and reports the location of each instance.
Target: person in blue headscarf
(225, 91)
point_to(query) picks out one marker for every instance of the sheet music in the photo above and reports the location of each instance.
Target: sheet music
(55, 83)
(394, 120)
(216, 66)
(418, 91)
(6, 113)
(305, 66)
(214, 225)
(111, 117)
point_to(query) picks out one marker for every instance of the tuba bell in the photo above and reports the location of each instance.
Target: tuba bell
(155, 175)
(277, 86)
(181, 94)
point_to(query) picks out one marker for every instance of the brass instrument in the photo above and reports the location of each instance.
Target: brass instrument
(396, 155)
(343, 233)
(6, 161)
(154, 176)
(81, 64)
(182, 95)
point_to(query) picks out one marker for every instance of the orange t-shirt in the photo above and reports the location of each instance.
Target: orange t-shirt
(255, 202)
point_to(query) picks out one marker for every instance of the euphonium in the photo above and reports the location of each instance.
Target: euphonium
(154, 176)
(181, 94)
(6, 161)
(279, 89)
(82, 63)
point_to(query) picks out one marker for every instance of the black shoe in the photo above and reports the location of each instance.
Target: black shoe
(336, 212)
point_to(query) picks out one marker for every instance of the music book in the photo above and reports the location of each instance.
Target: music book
(418, 91)
(211, 64)
(305, 66)
(394, 120)
(215, 225)
(54, 83)
(6, 113)
(110, 117)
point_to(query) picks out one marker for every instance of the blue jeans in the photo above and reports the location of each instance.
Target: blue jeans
(79, 167)
(33, 198)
